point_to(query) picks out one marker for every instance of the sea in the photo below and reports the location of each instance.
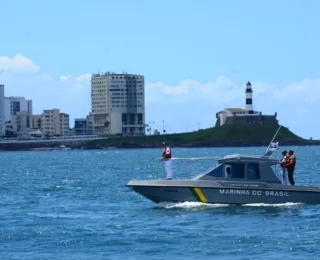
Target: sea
(75, 205)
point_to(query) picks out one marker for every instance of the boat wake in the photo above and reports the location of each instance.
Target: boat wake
(283, 205)
(190, 205)
(200, 205)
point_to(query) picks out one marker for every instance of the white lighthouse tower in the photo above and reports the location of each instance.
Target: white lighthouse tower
(249, 106)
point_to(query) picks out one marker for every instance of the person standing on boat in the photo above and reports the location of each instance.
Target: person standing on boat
(227, 171)
(290, 165)
(283, 161)
(166, 157)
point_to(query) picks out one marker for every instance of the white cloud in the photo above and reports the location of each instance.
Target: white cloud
(84, 78)
(65, 77)
(17, 64)
(22, 77)
(181, 106)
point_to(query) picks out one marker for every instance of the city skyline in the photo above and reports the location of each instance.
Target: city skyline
(196, 58)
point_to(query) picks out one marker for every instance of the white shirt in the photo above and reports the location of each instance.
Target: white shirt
(284, 159)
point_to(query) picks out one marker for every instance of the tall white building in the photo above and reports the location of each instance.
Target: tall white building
(13, 105)
(54, 123)
(2, 111)
(117, 104)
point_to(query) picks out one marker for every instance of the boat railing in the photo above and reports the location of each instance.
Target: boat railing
(190, 168)
(187, 168)
(197, 158)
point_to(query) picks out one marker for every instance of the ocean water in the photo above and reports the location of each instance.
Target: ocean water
(75, 205)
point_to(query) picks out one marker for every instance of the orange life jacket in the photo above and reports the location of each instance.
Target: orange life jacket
(282, 162)
(292, 160)
(166, 152)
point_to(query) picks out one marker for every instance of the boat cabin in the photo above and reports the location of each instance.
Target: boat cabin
(243, 168)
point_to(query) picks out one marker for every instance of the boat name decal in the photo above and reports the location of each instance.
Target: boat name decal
(170, 190)
(254, 192)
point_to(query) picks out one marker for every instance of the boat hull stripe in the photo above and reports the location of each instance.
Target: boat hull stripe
(199, 195)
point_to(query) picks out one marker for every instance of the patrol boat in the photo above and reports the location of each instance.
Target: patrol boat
(237, 179)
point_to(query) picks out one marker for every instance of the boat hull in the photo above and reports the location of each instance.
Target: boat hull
(224, 192)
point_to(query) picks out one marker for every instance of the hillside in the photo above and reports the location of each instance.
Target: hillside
(227, 135)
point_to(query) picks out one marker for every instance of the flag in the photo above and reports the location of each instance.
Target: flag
(273, 147)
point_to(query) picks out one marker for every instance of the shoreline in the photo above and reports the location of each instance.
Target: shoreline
(224, 136)
(46, 147)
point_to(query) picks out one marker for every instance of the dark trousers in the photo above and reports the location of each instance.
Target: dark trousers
(290, 175)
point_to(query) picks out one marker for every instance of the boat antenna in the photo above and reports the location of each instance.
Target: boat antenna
(269, 149)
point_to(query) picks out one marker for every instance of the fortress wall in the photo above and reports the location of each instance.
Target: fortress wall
(259, 119)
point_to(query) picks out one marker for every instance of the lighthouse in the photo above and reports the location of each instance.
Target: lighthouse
(249, 106)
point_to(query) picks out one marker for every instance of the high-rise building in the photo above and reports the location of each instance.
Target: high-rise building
(117, 104)
(2, 111)
(13, 105)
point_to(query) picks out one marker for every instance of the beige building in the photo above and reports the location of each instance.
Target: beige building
(117, 104)
(64, 124)
(54, 123)
(20, 122)
(35, 122)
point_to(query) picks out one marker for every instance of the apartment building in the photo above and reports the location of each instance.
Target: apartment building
(35, 121)
(117, 104)
(13, 105)
(54, 123)
(64, 124)
(2, 111)
(21, 122)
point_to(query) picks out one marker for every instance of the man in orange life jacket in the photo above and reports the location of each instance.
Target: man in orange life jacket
(290, 165)
(166, 157)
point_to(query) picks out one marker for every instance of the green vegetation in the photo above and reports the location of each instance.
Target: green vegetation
(226, 135)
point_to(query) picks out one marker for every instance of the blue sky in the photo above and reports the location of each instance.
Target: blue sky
(196, 56)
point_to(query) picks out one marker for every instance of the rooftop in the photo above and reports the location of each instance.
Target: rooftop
(235, 110)
(248, 157)
(115, 74)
